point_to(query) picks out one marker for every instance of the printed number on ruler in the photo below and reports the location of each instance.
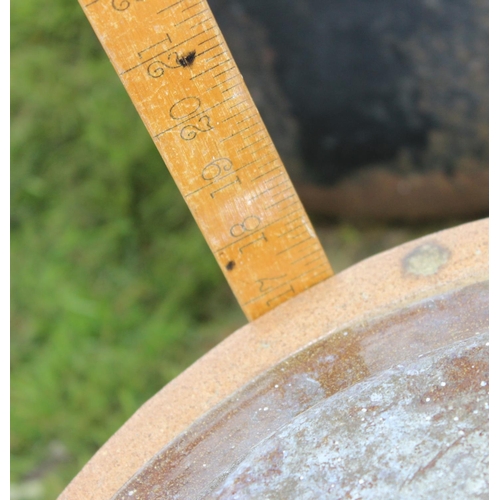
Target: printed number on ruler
(179, 73)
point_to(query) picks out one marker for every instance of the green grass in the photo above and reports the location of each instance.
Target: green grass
(113, 289)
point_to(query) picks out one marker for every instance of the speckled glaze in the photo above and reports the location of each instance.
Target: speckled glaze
(383, 407)
(370, 385)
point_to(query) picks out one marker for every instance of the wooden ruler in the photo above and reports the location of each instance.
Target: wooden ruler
(175, 65)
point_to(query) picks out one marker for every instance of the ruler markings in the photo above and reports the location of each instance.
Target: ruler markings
(294, 245)
(251, 163)
(259, 195)
(225, 71)
(234, 106)
(262, 237)
(279, 184)
(194, 115)
(211, 183)
(241, 102)
(291, 221)
(191, 7)
(222, 177)
(283, 191)
(290, 231)
(289, 282)
(269, 171)
(267, 190)
(279, 167)
(281, 295)
(257, 232)
(275, 221)
(307, 248)
(212, 68)
(286, 283)
(208, 50)
(290, 205)
(319, 250)
(313, 244)
(240, 122)
(246, 137)
(216, 56)
(244, 120)
(222, 83)
(173, 47)
(142, 63)
(281, 201)
(319, 266)
(170, 6)
(254, 161)
(261, 148)
(321, 257)
(299, 234)
(203, 21)
(253, 143)
(327, 271)
(216, 36)
(208, 39)
(154, 45)
(241, 130)
(313, 269)
(236, 181)
(267, 292)
(190, 17)
(234, 86)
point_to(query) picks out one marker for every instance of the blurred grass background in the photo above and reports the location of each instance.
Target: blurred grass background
(113, 289)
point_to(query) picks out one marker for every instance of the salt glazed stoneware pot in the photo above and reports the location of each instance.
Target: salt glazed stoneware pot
(372, 384)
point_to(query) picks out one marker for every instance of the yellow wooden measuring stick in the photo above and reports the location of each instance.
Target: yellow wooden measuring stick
(175, 65)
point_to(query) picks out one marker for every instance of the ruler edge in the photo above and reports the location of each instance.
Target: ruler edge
(228, 277)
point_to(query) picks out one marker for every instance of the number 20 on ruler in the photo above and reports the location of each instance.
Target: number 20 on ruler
(175, 65)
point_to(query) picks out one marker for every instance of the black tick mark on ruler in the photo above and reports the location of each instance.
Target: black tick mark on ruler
(230, 265)
(188, 59)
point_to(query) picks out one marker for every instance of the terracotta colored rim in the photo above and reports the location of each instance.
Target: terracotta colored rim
(384, 283)
(365, 412)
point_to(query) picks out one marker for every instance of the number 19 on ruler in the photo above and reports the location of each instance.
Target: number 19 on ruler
(175, 65)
